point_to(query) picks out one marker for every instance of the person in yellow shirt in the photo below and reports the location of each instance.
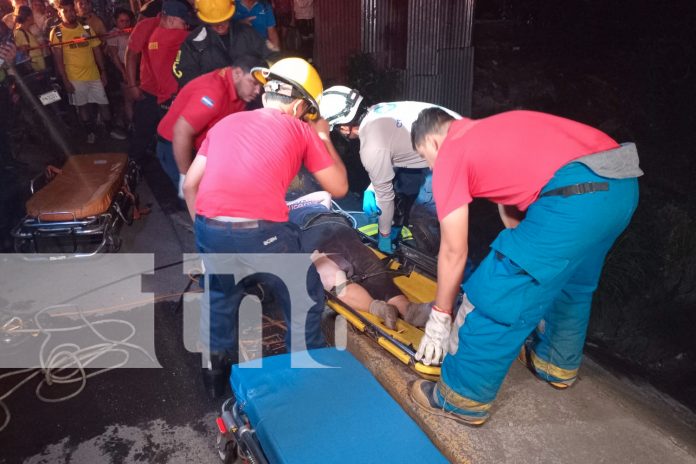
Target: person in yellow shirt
(80, 64)
(26, 41)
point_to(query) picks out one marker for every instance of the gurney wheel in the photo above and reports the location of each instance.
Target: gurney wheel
(113, 243)
(227, 449)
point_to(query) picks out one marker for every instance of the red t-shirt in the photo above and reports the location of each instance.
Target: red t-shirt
(508, 158)
(252, 156)
(161, 51)
(202, 103)
(137, 42)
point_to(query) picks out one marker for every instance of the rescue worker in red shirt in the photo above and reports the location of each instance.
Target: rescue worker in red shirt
(565, 192)
(155, 42)
(235, 192)
(199, 106)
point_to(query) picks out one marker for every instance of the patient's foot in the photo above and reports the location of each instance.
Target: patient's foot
(388, 313)
(417, 314)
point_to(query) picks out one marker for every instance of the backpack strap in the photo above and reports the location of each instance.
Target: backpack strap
(58, 32)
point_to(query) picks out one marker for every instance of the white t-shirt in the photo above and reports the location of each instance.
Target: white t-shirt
(120, 41)
(385, 143)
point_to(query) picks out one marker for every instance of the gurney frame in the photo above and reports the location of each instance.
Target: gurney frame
(31, 232)
(236, 437)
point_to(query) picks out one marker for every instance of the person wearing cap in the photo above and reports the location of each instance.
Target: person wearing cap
(565, 192)
(217, 42)
(235, 192)
(396, 171)
(154, 42)
(199, 106)
(80, 64)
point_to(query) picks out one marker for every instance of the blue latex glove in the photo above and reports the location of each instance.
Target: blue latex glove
(370, 203)
(385, 244)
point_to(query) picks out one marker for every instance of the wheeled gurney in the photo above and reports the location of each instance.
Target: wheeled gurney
(79, 209)
(336, 414)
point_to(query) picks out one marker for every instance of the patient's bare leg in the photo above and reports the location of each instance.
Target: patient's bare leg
(354, 295)
(333, 276)
(401, 303)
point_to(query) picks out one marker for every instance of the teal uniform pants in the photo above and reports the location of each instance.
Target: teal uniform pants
(539, 277)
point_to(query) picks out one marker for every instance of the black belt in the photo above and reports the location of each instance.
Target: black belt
(577, 189)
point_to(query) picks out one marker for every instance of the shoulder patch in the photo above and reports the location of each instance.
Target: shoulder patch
(207, 101)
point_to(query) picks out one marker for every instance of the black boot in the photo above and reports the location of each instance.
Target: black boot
(216, 379)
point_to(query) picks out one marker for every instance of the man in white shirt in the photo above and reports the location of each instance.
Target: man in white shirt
(396, 170)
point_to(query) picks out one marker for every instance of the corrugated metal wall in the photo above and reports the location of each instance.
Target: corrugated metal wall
(429, 39)
(385, 31)
(336, 36)
(439, 66)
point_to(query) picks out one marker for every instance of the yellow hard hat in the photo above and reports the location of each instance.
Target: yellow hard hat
(300, 75)
(214, 11)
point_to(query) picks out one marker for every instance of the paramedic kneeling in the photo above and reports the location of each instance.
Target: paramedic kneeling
(565, 192)
(235, 192)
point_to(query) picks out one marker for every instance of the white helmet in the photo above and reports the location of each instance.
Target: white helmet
(339, 105)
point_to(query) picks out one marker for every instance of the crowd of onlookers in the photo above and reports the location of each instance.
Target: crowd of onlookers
(129, 66)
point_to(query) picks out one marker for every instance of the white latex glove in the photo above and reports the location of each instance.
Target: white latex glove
(434, 342)
(181, 185)
(465, 308)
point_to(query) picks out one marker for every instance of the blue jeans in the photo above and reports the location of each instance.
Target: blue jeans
(225, 294)
(165, 155)
(407, 184)
(425, 195)
(547, 268)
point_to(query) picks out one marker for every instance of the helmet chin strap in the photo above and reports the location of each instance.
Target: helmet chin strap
(304, 113)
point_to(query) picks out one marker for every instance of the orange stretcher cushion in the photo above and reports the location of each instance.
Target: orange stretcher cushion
(85, 187)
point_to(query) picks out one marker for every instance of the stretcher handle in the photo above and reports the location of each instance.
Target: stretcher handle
(69, 213)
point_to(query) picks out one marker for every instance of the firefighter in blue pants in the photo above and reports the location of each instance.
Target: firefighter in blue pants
(565, 192)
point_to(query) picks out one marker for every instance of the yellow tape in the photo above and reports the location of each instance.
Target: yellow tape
(372, 229)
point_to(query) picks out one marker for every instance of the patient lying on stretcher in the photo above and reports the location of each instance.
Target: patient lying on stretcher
(348, 267)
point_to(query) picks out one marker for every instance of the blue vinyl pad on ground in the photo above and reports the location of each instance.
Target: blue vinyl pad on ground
(331, 415)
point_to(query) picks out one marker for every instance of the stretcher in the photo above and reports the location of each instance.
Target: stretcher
(80, 208)
(338, 414)
(403, 341)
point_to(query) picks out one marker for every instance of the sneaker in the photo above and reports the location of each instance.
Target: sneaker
(423, 393)
(525, 358)
(117, 134)
(91, 138)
